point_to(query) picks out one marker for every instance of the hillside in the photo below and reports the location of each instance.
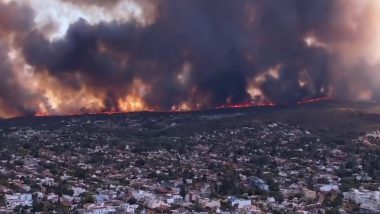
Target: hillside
(334, 117)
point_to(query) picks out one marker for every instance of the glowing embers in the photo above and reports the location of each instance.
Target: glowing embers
(183, 107)
(247, 105)
(314, 100)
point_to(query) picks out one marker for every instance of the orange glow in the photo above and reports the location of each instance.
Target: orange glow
(246, 105)
(183, 107)
(315, 100)
(346, 46)
(132, 104)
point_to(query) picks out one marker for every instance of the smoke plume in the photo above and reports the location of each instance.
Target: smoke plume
(179, 55)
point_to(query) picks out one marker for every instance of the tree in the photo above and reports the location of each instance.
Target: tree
(87, 198)
(278, 196)
(140, 163)
(132, 201)
(351, 164)
(2, 200)
(37, 206)
(80, 173)
(64, 189)
(182, 191)
(333, 211)
(338, 200)
(20, 209)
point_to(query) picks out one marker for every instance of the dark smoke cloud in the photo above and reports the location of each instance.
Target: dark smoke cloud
(215, 36)
(12, 94)
(14, 20)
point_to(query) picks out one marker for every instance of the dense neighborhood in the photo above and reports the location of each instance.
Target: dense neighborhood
(180, 163)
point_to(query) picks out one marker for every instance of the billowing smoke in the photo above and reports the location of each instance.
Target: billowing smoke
(13, 96)
(191, 54)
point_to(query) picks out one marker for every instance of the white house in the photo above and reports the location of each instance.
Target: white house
(329, 188)
(101, 198)
(239, 203)
(47, 181)
(154, 204)
(368, 200)
(52, 197)
(18, 199)
(175, 199)
(142, 195)
(77, 191)
(129, 208)
(213, 204)
(95, 209)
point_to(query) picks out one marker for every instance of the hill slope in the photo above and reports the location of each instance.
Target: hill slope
(333, 117)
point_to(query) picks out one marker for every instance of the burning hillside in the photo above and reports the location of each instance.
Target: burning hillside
(72, 57)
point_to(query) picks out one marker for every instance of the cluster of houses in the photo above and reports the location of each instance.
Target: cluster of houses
(369, 201)
(131, 165)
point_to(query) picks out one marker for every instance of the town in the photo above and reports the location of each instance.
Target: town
(184, 163)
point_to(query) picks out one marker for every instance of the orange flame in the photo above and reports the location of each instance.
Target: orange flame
(131, 104)
(136, 104)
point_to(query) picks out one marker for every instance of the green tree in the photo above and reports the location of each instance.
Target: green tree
(2, 200)
(182, 191)
(87, 198)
